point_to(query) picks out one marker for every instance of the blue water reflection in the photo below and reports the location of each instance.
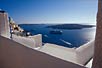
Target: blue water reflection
(69, 38)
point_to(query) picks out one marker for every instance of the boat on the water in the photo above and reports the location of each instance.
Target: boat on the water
(56, 32)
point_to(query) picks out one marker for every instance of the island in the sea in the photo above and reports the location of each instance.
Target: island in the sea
(70, 26)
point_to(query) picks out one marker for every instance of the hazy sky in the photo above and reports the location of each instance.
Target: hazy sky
(51, 11)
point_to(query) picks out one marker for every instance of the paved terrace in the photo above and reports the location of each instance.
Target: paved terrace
(15, 55)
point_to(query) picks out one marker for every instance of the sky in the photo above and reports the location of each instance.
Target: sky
(51, 11)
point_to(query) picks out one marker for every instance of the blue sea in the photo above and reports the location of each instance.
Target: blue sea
(68, 38)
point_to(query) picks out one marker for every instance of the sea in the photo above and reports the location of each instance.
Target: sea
(69, 38)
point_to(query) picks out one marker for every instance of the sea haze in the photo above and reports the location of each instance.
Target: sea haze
(68, 38)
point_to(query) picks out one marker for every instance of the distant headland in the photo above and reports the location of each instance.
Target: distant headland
(70, 26)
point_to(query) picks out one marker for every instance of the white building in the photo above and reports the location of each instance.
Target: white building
(4, 24)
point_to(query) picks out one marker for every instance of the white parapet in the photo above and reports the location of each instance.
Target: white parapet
(4, 24)
(38, 40)
(31, 41)
(85, 52)
(79, 55)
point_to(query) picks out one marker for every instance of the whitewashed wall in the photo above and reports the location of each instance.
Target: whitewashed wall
(4, 25)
